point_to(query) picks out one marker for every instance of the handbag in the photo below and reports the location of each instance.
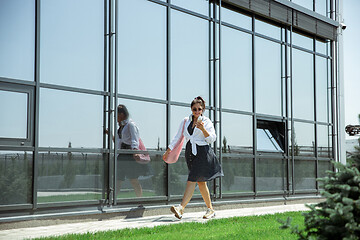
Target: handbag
(142, 158)
(173, 156)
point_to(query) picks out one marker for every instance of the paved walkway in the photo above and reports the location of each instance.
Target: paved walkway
(105, 225)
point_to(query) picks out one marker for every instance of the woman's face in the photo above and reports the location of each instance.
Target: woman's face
(197, 110)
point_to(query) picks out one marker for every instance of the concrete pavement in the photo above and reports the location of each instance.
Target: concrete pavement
(150, 221)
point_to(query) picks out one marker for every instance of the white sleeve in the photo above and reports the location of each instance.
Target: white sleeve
(178, 135)
(211, 130)
(134, 136)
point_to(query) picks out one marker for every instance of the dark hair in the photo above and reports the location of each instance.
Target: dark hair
(122, 109)
(199, 100)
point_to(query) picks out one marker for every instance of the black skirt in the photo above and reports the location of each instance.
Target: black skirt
(205, 165)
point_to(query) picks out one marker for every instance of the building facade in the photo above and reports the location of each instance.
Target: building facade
(269, 70)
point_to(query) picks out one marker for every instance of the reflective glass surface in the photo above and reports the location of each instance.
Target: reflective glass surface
(321, 47)
(270, 174)
(141, 48)
(323, 166)
(199, 6)
(189, 57)
(302, 41)
(236, 18)
(14, 111)
(72, 43)
(267, 29)
(70, 119)
(70, 176)
(321, 6)
(321, 90)
(303, 85)
(305, 3)
(266, 141)
(324, 141)
(238, 174)
(237, 133)
(305, 174)
(236, 65)
(268, 77)
(304, 139)
(15, 177)
(17, 39)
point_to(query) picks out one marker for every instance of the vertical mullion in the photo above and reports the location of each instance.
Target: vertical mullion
(220, 106)
(292, 115)
(315, 117)
(254, 104)
(168, 93)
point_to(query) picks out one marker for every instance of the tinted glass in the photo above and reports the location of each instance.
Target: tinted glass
(70, 176)
(268, 77)
(267, 29)
(321, 90)
(236, 65)
(321, 47)
(238, 174)
(303, 85)
(321, 7)
(72, 43)
(189, 57)
(15, 177)
(142, 48)
(270, 174)
(266, 141)
(68, 118)
(304, 139)
(302, 41)
(305, 174)
(323, 141)
(305, 3)
(14, 111)
(237, 133)
(236, 18)
(17, 39)
(324, 166)
(199, 6)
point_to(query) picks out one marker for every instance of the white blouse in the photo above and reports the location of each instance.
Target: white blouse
(129, 134)
(197, 138)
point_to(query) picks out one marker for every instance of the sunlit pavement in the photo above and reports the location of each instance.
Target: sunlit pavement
(105, 225)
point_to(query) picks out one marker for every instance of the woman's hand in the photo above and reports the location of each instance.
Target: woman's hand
(165, 155)
(200, 125)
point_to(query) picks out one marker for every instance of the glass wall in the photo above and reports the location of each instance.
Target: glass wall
(267, 88)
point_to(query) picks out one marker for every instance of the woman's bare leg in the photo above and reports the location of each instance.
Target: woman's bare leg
(189, 191)
(137, 187)
(205, 193)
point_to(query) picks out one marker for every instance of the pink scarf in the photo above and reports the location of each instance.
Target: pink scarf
(173, 156)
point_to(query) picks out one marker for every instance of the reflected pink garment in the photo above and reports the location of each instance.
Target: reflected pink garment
(144, 158)
(174, 154)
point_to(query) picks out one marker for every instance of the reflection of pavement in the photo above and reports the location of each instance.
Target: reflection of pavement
(49, 194)
(152, 221)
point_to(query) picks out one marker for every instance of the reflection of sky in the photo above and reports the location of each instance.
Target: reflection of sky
(266, 142)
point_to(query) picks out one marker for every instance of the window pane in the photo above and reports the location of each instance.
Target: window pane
(70, 176)
(68, 118)
(268, 77)
(142, 49)
(324, 166)
(305, 174)
(324, 141)
(189, 57)
(320, 6)
(236, 65)
(15, 177)
(17, 39)
(200, 6)
(304, 139)
(302, 41)
(239, 174)
(303, 85)
(267, 29)
(72, 43)
(321, 90)
(305, 3)
(270, 174)
(235, 18)
(13, 120)
(321, 47)
(237, 133)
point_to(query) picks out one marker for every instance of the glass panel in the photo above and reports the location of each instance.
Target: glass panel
(302, 41)
(17, 39)
(267, 29)
(266, 141)
(321, 46)
(329, 91)
(324, 166)
(268, 77)
(321, 90)
(189, 57)
(304, 139)
(305, 174)
(238, 174)
(303, 85)
(200, 6)
(70, 176)
(15, 177)
(72, 43)
(321, 6)
(13, 120)
(237, 133)
(323, 141)
(305, 3)
(78, 119)
(236, 18)
(152, 130)
(270, 175)
(142, 49)
(236, 65)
